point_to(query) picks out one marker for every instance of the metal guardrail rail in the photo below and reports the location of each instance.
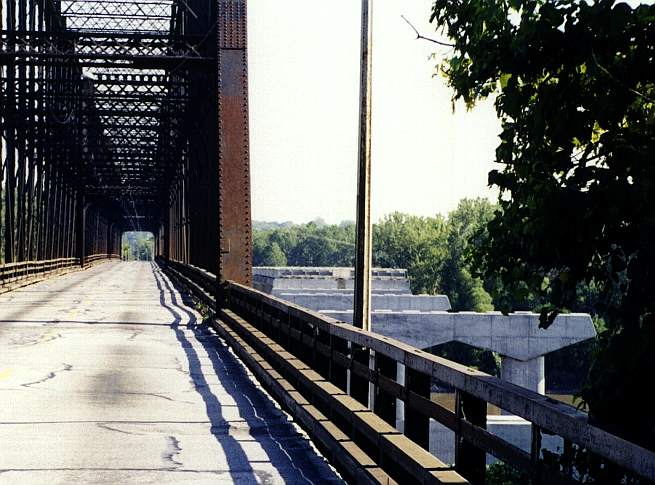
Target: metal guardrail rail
(90, 260)
(304, 359)
(13, 275)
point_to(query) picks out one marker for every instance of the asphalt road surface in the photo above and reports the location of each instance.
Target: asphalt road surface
(106, 376)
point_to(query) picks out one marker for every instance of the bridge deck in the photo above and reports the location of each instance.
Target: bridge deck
(106, 378)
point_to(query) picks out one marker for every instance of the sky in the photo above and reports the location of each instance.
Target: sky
(304, 89)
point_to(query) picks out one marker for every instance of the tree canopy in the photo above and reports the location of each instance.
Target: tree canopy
(575, 89)
(432, 249)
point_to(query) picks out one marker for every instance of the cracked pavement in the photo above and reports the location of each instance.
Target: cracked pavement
(107, 377)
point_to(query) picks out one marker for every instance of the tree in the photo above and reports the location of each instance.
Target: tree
(465, 291)
(575, 90)
(309, 244)
(273, 256)
(412, 242)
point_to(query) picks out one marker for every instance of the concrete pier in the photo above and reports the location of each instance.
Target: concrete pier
(516, 335)
(277, 280)
(530, 374)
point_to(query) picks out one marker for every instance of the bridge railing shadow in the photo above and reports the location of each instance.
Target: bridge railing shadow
(286, 449)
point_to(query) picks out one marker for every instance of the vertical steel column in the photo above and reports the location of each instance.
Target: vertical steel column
(235, 233)
(110, 239)
(80, 230)
(29, 218)
(10, 120)
(166, 250)
(20, 144)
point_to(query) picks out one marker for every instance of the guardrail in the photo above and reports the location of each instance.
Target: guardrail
(321, 369)
(13, 275)
(89, 260)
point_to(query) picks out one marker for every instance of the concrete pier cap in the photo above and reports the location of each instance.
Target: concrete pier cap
(516, 337)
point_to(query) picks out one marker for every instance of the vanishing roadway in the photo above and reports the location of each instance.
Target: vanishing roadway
(106, 376)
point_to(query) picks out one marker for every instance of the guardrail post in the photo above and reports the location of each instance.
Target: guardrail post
(385, 403)
(80, 227)
(470, 461)
(417, 426)
(535, 453)
(319, 361)
(359, 385)
(338, 374)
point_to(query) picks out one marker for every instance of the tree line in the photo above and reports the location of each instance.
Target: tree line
(437, 252)
(432, 249)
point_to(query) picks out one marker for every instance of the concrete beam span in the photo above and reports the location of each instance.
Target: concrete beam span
(106, 376)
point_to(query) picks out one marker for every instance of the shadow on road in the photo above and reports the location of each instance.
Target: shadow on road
(280, 440)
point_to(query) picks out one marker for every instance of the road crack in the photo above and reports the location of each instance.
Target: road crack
(49, 376)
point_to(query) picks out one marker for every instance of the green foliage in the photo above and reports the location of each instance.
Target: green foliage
(470, 356)
(464, 223)
(589, 468)
(415, 243)
(309, 244)
(138, 246)
(432, 249)
(273, 255)
(502, 474)
(125, 251)
(436, 251)
(575, 92)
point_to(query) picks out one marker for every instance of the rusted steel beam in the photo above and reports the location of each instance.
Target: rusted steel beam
(235, 233)
(80, 227)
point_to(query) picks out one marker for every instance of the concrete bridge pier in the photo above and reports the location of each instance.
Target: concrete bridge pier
(530, 374)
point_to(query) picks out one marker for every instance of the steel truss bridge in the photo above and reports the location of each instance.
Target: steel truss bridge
(120, 115)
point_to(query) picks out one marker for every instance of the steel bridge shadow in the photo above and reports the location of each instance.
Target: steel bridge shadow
(280, 440)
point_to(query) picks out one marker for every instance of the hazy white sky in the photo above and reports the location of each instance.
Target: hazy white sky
(304, 64)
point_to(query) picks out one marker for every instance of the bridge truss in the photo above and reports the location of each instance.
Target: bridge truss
(125, 115)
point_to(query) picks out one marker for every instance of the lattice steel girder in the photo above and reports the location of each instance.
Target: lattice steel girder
(104, 78)
(136, 55)
(63, 42)
(111, 97)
